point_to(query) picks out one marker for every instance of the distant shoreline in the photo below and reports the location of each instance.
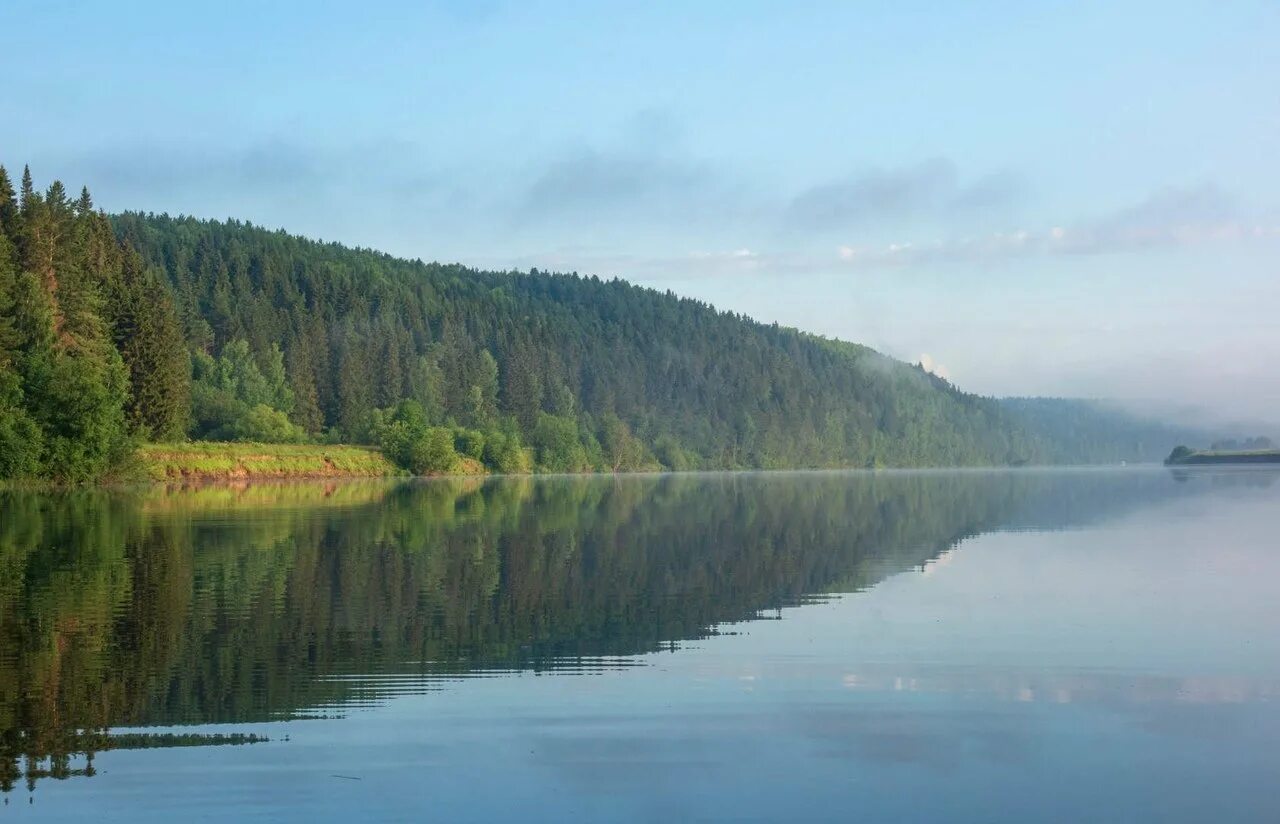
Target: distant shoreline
(1209, 458)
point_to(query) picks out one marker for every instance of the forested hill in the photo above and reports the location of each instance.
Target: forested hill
(696, 387)
(140, 327)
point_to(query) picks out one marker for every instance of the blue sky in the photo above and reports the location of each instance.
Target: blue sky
(1047, 198)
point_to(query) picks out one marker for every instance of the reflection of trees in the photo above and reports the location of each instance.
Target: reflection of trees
(237, 605)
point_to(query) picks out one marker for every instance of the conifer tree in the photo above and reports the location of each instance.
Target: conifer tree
(149, 338)
(8, 209)
(28, 188)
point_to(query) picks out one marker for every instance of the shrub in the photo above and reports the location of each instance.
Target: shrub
(432, 451)
(266, 425)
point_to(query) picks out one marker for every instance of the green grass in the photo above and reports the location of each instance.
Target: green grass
(208, 460)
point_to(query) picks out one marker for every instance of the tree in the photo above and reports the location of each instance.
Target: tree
(622, 451)
(232, 394)
(555, 439)
(149, 337)
(21, 440)
(8, 208)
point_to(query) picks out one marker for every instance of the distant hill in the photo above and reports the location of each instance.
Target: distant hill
(1090, 431)
(225, 330)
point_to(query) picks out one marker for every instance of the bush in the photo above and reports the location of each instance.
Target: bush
(469, 442)
(432, 451)
(503, 453)
(555, 439)
(266, 425)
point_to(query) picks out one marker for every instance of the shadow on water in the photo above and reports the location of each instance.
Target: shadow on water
(161, 607)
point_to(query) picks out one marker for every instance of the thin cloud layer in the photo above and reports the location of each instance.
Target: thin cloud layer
(1169, 219)
(929, 189)
(161, 176)
(590, 180)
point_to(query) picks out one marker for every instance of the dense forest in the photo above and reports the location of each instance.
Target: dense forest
(115, 330)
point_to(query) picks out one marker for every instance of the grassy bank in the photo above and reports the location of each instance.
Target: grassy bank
(200, 461)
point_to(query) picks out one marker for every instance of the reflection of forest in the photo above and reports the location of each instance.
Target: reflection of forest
(156, 607)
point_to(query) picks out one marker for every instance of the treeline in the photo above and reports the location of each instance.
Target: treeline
(143, 327)
(92, 357)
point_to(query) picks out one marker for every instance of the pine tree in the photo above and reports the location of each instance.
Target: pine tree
(28, 189)
(306, 400)
(149, 338)
(9, 213)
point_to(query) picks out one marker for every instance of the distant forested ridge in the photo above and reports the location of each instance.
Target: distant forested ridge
(119, 329)
(1071, 430)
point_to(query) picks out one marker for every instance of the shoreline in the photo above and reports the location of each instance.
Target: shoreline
(234, 462)
(210, 461)
(1207, 458)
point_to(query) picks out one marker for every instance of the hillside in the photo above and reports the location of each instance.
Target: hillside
(178, 327)
(1070, 430)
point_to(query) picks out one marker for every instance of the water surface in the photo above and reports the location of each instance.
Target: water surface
(1021, 645)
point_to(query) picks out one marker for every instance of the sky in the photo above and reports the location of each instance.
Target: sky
(1048, 198)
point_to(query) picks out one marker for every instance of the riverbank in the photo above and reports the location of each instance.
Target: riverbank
(217, 461)
(1210, 458)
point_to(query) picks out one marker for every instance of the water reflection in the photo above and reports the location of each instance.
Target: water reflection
(159, 607)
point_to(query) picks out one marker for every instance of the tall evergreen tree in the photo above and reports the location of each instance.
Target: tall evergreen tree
(8, 209)
(149, 337)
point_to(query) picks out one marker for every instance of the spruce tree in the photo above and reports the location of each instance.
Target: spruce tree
(149, 338)
(28, 189)
(8, 210)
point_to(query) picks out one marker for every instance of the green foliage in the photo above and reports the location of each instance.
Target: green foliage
(503, 453)
(432, 452)
(78, 403)
(266, 425)
(21, 439)
(557, 445)
(623, 451)
(148, 334)
(236, 398)
(469, 442)
(410, 442)
(90, 352)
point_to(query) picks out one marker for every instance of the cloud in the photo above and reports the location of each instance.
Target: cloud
(1168, 219)
(165, 175)
(591, 180)
(930, 189)
(643, 175)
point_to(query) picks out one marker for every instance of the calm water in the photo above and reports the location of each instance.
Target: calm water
(986, 646)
